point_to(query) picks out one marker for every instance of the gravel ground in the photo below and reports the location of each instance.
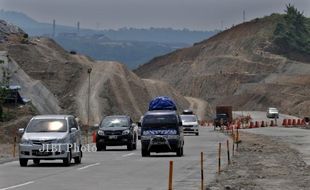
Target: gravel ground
(264, 163)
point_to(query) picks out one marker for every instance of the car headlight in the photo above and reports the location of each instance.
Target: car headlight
(25, 141)
(126, 132)
(101, 132)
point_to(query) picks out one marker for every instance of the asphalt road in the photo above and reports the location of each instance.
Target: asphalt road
(119, 169)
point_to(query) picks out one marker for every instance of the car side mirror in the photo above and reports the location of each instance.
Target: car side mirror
(73, 130)
(21, 130)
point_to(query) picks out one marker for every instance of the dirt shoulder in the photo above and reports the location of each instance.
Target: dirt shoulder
(264, 163)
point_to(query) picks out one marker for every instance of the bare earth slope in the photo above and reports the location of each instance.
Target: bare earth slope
(114, 89)
(236, 67)
(57, 82)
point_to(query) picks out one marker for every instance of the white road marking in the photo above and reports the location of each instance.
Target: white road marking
(126, 155)
(16, 186)
(82, 168)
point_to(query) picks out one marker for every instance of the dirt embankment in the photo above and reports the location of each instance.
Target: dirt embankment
(236, 67)
(264, 163)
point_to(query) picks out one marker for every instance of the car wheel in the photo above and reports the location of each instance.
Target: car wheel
(36, 161)
(101, 147)
(23, 162)
(77, 160)
(130, 146)
(145, 152)
(197, 134)
(135, 144)
(67, 160)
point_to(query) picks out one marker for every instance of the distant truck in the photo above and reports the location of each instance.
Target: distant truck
(223, 116)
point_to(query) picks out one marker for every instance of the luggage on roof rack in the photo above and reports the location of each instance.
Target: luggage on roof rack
(162, 103)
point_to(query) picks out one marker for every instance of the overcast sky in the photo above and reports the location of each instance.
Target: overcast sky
(191, 14)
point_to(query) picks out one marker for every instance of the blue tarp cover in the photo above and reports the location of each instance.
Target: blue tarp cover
(162, 103)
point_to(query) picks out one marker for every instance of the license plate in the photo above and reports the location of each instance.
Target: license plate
(113, 137)
(42, 153)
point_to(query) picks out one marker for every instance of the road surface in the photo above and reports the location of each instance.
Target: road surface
(119, 169)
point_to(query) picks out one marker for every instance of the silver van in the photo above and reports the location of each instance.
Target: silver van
(51, 137)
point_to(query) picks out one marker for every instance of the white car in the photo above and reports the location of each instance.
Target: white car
(50, 137)
(190, 124)
(272, 113)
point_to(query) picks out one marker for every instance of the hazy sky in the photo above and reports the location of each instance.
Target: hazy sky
(192, 14)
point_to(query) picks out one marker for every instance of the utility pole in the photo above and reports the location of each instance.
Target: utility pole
(54, 27)
(88, 103)
(88, 99)
(243, 15)
(222, 25)
(78, 27)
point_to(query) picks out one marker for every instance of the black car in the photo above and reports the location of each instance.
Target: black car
(162, 131)
(116, 130)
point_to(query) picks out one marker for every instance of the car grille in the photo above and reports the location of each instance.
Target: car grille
(113, 132)
(41, 142)
(38, 153)
(188, 126)
(159, 140)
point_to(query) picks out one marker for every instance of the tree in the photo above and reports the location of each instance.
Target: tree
(293, 33)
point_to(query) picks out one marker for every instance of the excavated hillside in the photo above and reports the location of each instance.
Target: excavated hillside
(237, 67)
(57, 81)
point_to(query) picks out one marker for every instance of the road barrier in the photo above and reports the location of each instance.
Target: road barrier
(201, 170)
(294, 122)
(271, 123)
(170, 175)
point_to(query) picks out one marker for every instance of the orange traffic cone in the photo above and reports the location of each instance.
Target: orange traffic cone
(299, 122)
(289, 122)
(251, 125)
(256, 124)
(262, 124)
(94, 137)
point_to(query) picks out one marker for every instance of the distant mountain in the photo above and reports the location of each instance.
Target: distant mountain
(166, 35)
(130, 46)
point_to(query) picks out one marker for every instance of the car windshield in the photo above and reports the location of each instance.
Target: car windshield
(273, 109)
(47, 125)
(110, 122)
(160, 121)
(188, 118)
